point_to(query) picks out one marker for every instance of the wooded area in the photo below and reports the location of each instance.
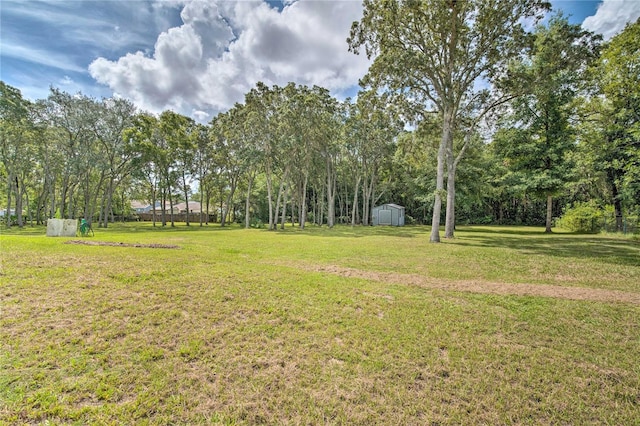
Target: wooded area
(505, 126)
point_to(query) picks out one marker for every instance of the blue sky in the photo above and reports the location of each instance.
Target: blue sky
(199, 57)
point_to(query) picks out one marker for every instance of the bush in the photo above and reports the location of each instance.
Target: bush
(583, 217)
(256, 223)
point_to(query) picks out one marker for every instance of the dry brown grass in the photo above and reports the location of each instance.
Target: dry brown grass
(479, 286)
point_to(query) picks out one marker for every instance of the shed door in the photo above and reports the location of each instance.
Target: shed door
(384, 217)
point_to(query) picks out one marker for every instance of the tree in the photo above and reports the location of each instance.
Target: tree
(16, 131)
(228, 133)
(204, 165)
(541, 134)
(612, 129)
(372, 127)
(148, 161)
(261, 103)
(432, 54)
(112, 117)
(178, 133)
(70, 118)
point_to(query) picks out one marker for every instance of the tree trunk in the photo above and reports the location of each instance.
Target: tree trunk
(19, 192)
(29, 213)
(331, 194)
(283, 216)
(186, 196)
(153, 206)
(303, 202)
(355, 202)
(617, 203)
(315, 208)
(247, 201)
(70, 209)
(321, 207)
(450, 221)
(163, 207)
(366, 195)
(52, 208)
(173, 224)
(9, 192)
(447, 134)
(108, 201)
(229, 201)
(63, 195)
(279, 199)
(549, 213)
(208, 201)
(268, 177)
(202, 190)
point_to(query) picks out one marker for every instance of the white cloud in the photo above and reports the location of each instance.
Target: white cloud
(200, 115)
(66, 81)
(15, 50)
(224, 48)
(612, 16)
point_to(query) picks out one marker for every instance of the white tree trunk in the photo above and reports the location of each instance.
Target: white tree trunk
(450, 220)
(355, 202)
(447, 135)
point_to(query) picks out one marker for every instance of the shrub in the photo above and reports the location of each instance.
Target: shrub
(256, 223)
(582, 217)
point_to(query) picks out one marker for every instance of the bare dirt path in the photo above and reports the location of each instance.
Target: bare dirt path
(473, 286)
(114, 244)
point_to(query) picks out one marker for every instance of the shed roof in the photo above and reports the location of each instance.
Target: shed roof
(393, 205)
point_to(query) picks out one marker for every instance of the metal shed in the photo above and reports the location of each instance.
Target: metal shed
(388, 214)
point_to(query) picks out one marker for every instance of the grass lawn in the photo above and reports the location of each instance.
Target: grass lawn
(346, 326)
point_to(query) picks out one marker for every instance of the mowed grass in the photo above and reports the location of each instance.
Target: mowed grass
(243, 327)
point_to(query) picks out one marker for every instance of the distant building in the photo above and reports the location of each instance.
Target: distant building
(141, 207)
(3, 212)
(194, 207)
(388, 214)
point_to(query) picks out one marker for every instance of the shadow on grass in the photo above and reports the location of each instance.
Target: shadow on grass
(562, 245)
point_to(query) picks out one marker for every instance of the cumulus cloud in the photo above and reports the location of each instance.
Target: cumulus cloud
(223, 49)
(612, 16)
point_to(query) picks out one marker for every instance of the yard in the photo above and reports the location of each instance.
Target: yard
(343, 326)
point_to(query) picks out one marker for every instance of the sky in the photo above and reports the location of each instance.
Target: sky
(200, 57)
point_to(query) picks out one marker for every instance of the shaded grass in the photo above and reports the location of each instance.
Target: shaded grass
(220, 332)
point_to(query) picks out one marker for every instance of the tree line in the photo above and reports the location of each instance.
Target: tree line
(553, 123)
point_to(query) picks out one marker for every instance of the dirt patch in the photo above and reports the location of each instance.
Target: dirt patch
(473, 286)
(114, 244)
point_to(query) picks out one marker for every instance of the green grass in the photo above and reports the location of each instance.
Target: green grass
(242, 327)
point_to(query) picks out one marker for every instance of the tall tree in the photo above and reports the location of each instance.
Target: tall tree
(70, 117)
(541, 134)
(262, 105)
(112, 117)
(149, 159)
(179, 134)
(612, 129)
(16, 132)
(372, 127)
(228, 132)
(433, 53)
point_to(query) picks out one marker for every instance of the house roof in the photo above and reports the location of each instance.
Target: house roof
(136, 204)
(194, 206)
